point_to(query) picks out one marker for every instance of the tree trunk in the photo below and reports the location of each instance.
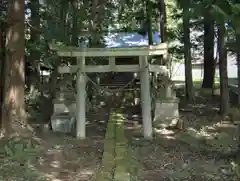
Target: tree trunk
(14, 116)
(34, 57)
(238, 61)
(149, 22)
(187, 55)
(62, 23)
(75, 30)
(163, 29)
(238, 70)
(224, 102)
(209, 61)
(2, 62)
(163, 20)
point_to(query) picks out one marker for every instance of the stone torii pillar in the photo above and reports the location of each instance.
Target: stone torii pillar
(81, 100)
(145, 97)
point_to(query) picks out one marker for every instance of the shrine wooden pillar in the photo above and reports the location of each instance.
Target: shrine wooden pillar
(81, 99)
(145, 97)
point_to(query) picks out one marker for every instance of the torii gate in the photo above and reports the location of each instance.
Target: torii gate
(143, 67)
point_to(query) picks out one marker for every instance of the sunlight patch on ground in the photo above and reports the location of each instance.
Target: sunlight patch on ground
(168, 134)
(55, 164)
(200, 134)
(84, 175)
(51, 176)
(209, 137)
(54, 150)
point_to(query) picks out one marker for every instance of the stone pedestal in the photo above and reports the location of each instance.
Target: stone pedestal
(166, 111)
(64, 123)
(166, 107)
(64, 115)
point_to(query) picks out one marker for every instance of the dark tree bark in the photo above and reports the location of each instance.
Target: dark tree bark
(224, 103)
(3, 26)
(238, 62)
(209, 61)
(149, 22)
(238, 70)
(163, 21)
(34, 57)
(75, 31)
(14, 116)
(187, 55)
(2, 64)
(62, 23)
(163, 28)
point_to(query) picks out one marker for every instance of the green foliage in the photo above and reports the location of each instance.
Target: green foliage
(16, 158)
(19, 150)
(33, 101)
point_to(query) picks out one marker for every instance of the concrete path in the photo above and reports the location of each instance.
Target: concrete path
(115, 157)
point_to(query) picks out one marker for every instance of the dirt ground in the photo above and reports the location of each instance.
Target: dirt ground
(192, 154)
(187, 155)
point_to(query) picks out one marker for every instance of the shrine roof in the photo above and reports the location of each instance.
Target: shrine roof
(129, 39)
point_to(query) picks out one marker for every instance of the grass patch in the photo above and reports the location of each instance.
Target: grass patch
(116, 161)
(17, 158)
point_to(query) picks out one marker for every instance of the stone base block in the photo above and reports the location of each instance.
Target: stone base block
(165, 112)
(63, 123)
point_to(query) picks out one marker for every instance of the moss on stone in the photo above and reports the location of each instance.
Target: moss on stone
(115, 161)
(121, 160)
(106, 170)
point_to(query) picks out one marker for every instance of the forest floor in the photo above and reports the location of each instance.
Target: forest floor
(187, 155)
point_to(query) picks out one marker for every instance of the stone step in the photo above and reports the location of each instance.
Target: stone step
(115, 161)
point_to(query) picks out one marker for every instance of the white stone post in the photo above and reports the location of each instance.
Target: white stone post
(145, 97)
(81, 100)
(112, 63)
